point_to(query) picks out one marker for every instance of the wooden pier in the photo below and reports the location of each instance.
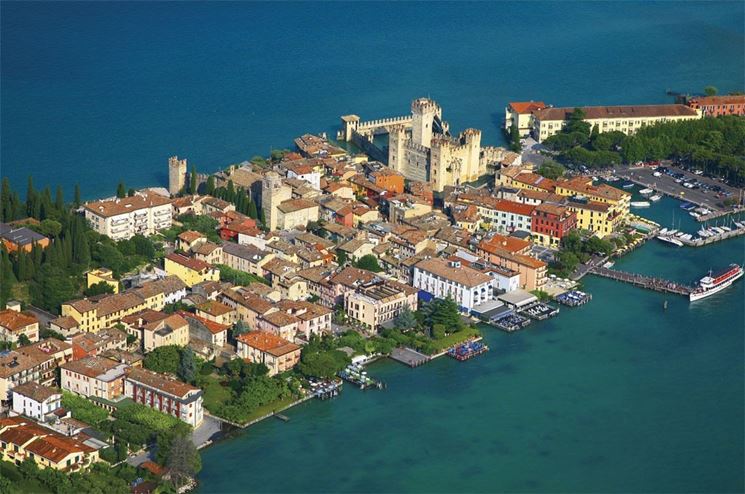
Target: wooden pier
(410, 357)
(640, 280)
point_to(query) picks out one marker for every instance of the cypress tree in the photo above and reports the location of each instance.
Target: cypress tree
(210, 185)
(77, 196)
(193, 180)
(252, 213)
(36, 256)
(30, 197)
(6, 208)
(121, 190)
(59, 200)
(7, 278)
(262, 218)
(230, 194)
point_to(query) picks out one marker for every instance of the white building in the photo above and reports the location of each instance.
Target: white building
(505, 280)
(36, 401)
(306, 172)
(165, 394)
(443, 278)
(120, 219)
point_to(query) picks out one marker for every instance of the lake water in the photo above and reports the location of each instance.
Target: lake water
(619, 395)
(97, 92)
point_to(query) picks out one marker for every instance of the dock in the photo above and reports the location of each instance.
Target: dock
(410, 357)
(642, 281)
(701, 241)
(467, 350)
(283, 418)
(355, 374)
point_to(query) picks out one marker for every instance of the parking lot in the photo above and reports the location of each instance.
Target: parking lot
(707, 192)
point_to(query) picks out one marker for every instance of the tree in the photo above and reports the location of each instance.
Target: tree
(121, 190)
(711, 91)
(240, 328)
(184, 461)
(188, 365)
(51, 287)
(324, 364)
(405, 319)
(98, 289)
(77, 201)
(7, 277)
(193, 180)
(252, 212)
(131, 192)
(446, 312)
(576, 123)
(164, 359)
(341, 257)
(515, 143)
(50, 228)
(210, 187)
(59, 201)
(551, 169)
(23, 340)
(369, 263)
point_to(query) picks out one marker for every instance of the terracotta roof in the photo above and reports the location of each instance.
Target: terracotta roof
(40, 440)
(13, 362)
(635, 111)
(115, 207)
(167, 286)
(108, 304)
(206, 248)
(502, 242)
(36, 391)
(268, 342)
(279, 319)
(584, 185)
(188, 262)
(212, 327)
(65, 322)
(536, 180)
(293, 205)
(352, 277)
(217, 203)
(526, 106)
(190, 236)
(160, 382)
(214, 308)
(554, 209)
(303, 309)
(461, 275)
(96, 367)
(514, 207)
(15, 321)
(726, 99)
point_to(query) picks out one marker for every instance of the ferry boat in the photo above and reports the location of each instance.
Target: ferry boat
(715, 282)
(670, 239)
(655, 197)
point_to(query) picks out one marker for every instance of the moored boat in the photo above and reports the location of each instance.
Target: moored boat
(646, 192)
(640, 204)
(716, 282)
(670, 239)
(655, 197)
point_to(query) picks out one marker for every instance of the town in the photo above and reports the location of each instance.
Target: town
(138, 328)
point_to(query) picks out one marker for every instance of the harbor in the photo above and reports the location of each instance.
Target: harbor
(357, 375)
(640, 280)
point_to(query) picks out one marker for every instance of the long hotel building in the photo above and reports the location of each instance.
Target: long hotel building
(129, 216)
(165, 394)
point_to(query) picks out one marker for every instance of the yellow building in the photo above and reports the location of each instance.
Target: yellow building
(594, 218)
(520, 114)
(190, 271)
(101, 275)
(94, 314)
(22, 439)
(626, 119)
(597, 217)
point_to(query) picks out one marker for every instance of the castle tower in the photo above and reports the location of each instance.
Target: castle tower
(273, 192)
(396, 152)
(472, 159)
(176, 174)
(349, 124)
(424, 111)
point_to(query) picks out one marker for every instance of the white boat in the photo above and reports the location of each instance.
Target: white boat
(680, 234)
(713, 283)
(739, 225)
(646, 192)
(703, 233)
(663, 231)
(670, 240)
(726, 228)
(717, 229)
(640, 204)
(694, 214)
(672, 232)
(687, 236)
(655, 197)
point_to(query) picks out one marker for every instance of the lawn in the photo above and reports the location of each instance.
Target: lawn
(455, 338)
(215, 394)
(274, 406)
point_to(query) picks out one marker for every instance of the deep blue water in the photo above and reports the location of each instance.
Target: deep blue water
(97, 92)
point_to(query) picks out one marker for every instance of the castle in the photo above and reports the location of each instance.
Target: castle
(176, 174)
(421, 147)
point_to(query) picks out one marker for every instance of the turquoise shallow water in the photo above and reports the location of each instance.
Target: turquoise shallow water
(616, 396)
(108, 90)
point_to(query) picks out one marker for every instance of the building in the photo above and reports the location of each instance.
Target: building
(262, 347)
(176, 174)
(91, 344)
(190, 271)
(520, 114)
(36, 401)
(626, 119)
(22, 238)
(550, 222)
(18, 367)
(375, 303)
(208, 252)
(596, 217)
(155, 329)
(212, 310)
(14, 323)
(583, 187)
(532, 271)
(58, 351)
(102, 311)
(214, 333)
(296, 213)
(22, 439)
(306, 172)
(165, 394)
(159, 293)
(94, 376)
(442, 278)
(312, 319)
(715, 106)
(189, 239)
(124, 218)
(273, 193)
(101, 275)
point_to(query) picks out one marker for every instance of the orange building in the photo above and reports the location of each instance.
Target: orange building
(715, 106)
(21, 238)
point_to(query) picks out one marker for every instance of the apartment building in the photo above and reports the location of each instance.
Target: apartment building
(247, 258)
(102, 311)
(18, 368)
(155, 329)
(14, 323)
(190, 271)
(375, 303)
(550, 222)
(714, 106)
(442, 278)
(262, 347)
(165, 394)
(94, 376)
(36, 401)
(520, 114)
(141, 214)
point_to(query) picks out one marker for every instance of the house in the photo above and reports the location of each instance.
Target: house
(102, 311)
(208, 252)
(60, 352)
(304, 171)
(520, 114)
(22, 238)
(296, 212)
(36, 401)
(347, 280)
(65, 325)
(101, 275)
(261, 347)
(377, 302)
(246, 258)
(14, 323)
(582, 189)
(141, 214)
(280, 323)
(90, 344)
(190, 271)
(442, 278)
(165, 394)
(94, 376)
(216, 205)
(155, 329)
(356, 249)
(22, 439)
(212, 310)
(19, 367)
(511, 256)
(550, 223)
(159, 293)
(313, 319)
(214, 333)
(189, 239)
(246, 305)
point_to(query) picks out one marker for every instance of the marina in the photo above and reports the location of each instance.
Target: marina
(326, 389)
(357, 375)
(468, 350)
(573, 298)
(539, 311)
(510, 322)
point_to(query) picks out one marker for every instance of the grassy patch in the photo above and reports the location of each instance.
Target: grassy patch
(215, 394)
(20, 291)
(455, 338)
(274, 406)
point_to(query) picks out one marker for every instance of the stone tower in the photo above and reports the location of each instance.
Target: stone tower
(424, 112)
(176, 174)
(273, 192)
(396, 152)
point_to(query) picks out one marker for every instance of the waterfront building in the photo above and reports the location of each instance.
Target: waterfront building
(312, 146)
(520, 114)
(14, 323)
(22, 439)
(94, 376)
(715, 106)
(582, 186)
(442, 278)
(521, 179)
(190, 271)
(141, 214)
(262, 347)
(511, 253)
(21, 238)
(165, 394)
(550, 222)
(36, 401)
(597, 217)
(377, 302)
(505, 280)
(626, 119)
(176, 174)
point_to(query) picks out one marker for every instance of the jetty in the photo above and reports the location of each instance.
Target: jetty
(717, 237)
(410, 357)
(467, 350)
(356, 374)
(640, 280)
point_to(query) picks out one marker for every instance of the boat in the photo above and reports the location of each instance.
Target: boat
(717, 229)
(670, 240)
(628, 185)
(646, 192)
(640, 204)
(703, 233)
(694, 214)
(655, 197)
(716, 282)
(687, 206)
(726, 228)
